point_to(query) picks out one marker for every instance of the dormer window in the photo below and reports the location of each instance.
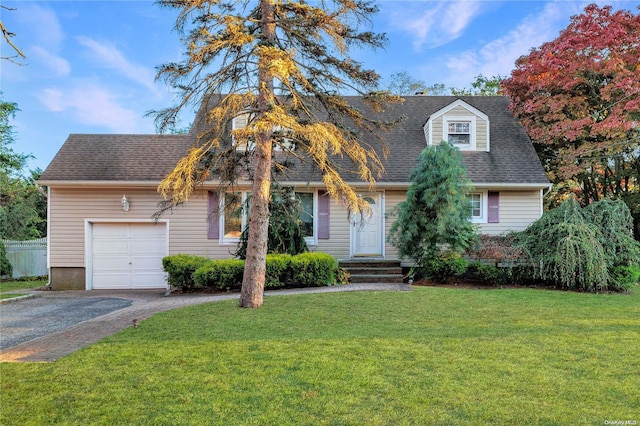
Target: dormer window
(460, 124)
(283, 143)
(459, 132)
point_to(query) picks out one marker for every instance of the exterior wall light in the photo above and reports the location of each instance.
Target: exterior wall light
(125, 203)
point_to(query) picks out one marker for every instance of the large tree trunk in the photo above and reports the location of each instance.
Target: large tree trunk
(252, 292)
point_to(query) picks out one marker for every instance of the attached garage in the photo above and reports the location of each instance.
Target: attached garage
(126, 255)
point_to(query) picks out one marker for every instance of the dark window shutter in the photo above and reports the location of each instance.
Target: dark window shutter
(493, 207)
(213, 210)
(323, 215)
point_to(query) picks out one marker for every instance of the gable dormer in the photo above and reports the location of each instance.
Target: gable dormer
(461, 124)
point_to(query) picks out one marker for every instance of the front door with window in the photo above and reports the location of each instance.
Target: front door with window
(366, 230)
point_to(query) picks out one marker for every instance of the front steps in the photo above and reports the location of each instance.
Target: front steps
(372, 270)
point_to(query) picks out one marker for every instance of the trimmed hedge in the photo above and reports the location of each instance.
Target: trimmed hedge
(180, 268)
(314, 269)
(220, 274)
(188, 272)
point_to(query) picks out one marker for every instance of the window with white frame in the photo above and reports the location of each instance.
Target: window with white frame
(240, 122)
(280, 134)
(235, 217)
(478, 202)
(307, 215)
(233, 220)
(460, 131)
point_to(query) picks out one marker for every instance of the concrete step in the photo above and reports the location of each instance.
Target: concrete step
(376, 278)
(374, 271)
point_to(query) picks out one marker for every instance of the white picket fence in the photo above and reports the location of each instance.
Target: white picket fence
(28, 258)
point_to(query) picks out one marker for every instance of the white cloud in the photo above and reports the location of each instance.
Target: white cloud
(44, 25)
(93, 105)
(498, 57)
(437, 26)
(110, 57)
(57, 64)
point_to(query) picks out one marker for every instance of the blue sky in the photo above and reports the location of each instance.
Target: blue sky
(90, 65)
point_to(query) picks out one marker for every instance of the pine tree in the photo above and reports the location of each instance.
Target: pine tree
(282, 64)
(436, 211)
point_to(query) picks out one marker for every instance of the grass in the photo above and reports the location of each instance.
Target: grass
(6, 286)
(4, 296)
(429, 357)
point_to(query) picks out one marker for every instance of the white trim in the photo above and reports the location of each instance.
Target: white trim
(228, 241)
(472, 130)
(484, 207)
(428, 126)
(88, 243)
(312, 240)
(49, 232)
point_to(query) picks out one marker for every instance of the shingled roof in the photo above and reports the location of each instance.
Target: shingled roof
(148, 158)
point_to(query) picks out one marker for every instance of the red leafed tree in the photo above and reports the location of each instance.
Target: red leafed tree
(578, 97)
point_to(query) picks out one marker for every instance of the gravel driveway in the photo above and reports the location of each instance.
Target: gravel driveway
(28, 319)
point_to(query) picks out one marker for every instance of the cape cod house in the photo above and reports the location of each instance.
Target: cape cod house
(102, 195)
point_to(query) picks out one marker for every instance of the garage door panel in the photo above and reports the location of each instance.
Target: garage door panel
(128, 255)
(112, 281)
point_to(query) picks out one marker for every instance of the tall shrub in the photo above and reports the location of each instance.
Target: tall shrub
(436, 211)
(579, 248)
(6, 269)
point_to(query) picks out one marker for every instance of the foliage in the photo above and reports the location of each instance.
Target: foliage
(489, 274)
(436, 210)
(481, 86)
(403, 84)
(282, 65)
(497, 248)
(626, 278)
(180, 269)
(286, 229)
(447, 265)
(578, 97)
(577, 249)
(314, 269)
(188, 272)
(223, 274)
(6, 269)
(613, 219)
(23, 209)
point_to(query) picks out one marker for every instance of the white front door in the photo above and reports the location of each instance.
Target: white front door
(366, 229)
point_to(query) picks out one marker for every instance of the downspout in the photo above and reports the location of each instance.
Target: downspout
(46, 195)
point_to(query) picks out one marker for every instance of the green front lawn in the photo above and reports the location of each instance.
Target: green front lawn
(6, 286)
(432, 356)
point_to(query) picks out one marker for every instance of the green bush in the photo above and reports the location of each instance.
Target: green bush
(447, 265)
(489, 274)
(625, 278)
(6, 269)
(279, 272)
(580, 249)
(180, 268)
(313, 269)
(187, 272)
(221, 274)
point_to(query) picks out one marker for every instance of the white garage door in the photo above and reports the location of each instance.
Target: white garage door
(128, 255)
